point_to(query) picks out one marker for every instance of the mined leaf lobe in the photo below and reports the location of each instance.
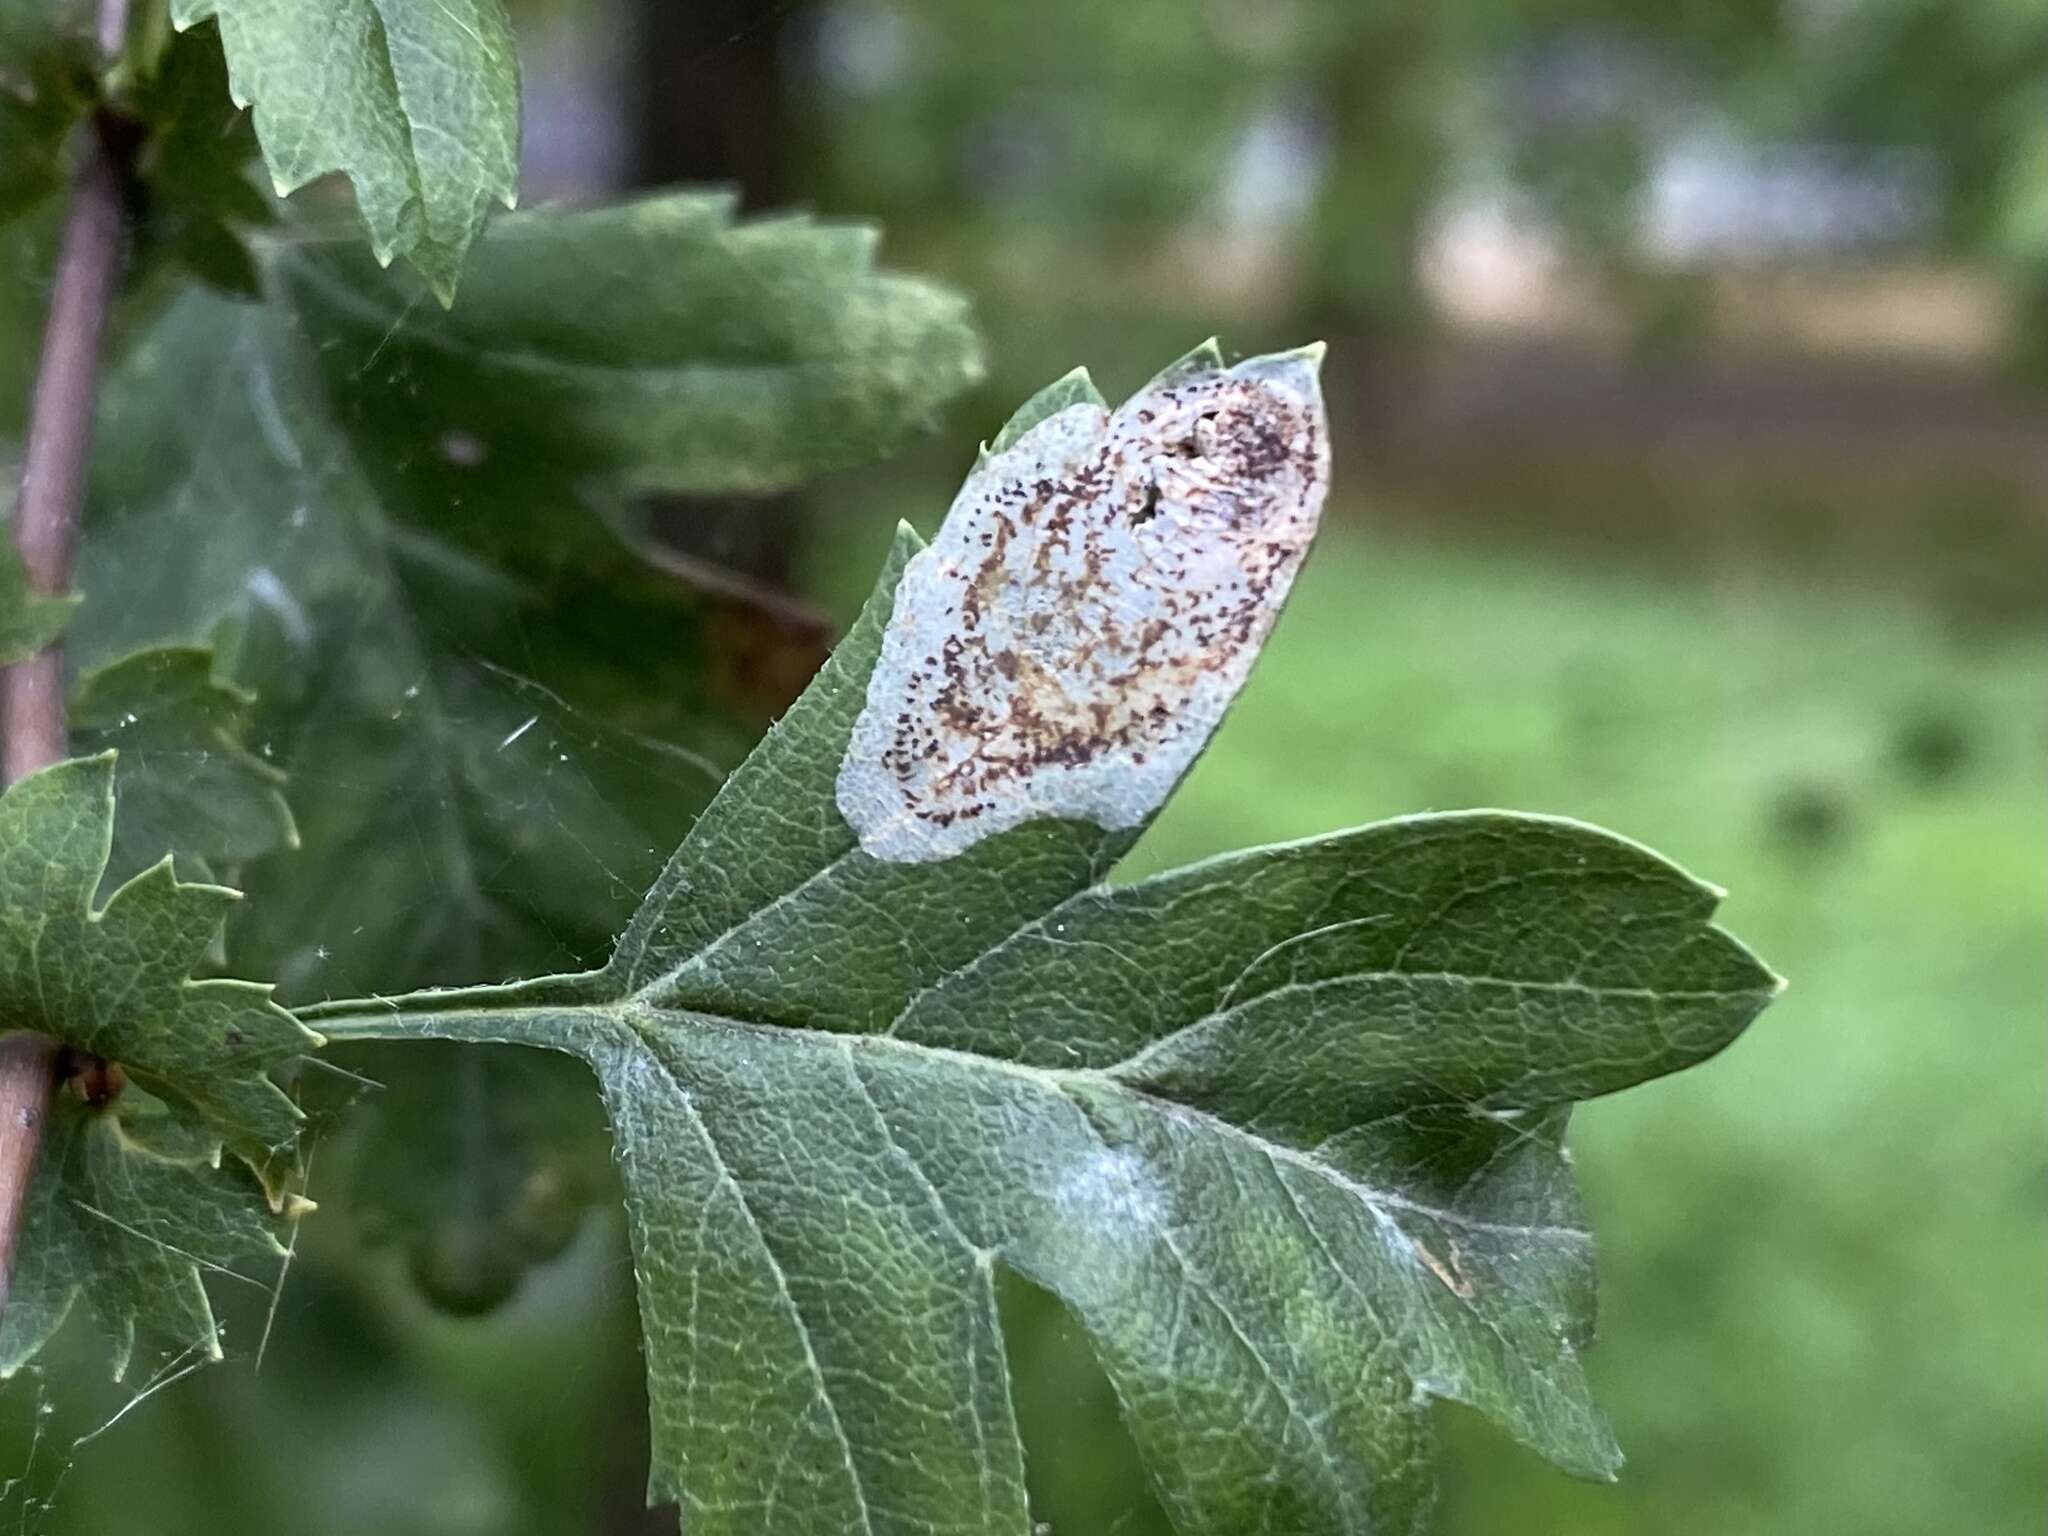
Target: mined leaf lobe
(1095, 600)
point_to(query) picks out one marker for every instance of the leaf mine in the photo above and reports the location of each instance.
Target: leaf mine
(1096, 598)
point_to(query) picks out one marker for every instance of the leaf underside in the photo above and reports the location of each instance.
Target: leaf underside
(1283, 1130)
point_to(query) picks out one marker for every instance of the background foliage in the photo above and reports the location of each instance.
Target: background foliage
(1658, 543)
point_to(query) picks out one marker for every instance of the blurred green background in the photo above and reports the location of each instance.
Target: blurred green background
(1692, 478)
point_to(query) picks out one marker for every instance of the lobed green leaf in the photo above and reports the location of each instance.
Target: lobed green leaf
(657, 344)
(132, 1198)
(115, 980)
(1284, 1130)
(462, 705)
(135, 1212)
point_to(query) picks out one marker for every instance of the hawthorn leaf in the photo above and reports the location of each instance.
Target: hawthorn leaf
(133, 1202)
(185, 779)
(135, 1209)
(657, 344)
(29, 619)
(1283, 1129)
(115, 979)
(418, 105)
(461, 702)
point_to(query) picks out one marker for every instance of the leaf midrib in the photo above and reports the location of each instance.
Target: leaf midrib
(647, 1027)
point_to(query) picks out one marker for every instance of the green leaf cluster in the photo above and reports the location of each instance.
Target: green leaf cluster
(196, 205)
(418, 106)
(135, 1211)
(165, 102)
(1283, 1130)
(414, 538)
(404, 617)
(421, 632)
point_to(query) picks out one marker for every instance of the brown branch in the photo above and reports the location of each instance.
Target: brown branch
(45, 529)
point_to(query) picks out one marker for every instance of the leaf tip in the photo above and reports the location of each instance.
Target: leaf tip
(90, 776)
(1072, 388)
(1298, 370)
(1206, 357)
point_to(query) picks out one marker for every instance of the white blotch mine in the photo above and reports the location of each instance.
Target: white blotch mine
(1093, 603)
(1113, 1190)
